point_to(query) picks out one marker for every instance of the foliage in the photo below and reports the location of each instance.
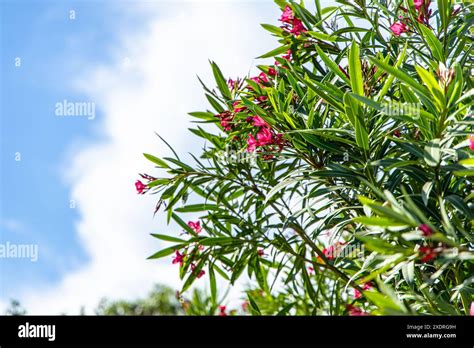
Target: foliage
(355, 139)
(160, 301)
(15, 308)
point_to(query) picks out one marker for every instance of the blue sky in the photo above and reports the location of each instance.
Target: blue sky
(127, 59)
(50, 46)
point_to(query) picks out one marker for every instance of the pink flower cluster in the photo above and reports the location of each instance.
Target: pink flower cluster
(265, 136)
(195, 226)
(332, 251)
(179, 259)
(423, 12)
(366, 286)
(291, 24)
(355, 311)
(426, 230)
(226, 120)
(429, 253)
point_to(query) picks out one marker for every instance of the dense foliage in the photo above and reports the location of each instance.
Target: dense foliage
(340, 178)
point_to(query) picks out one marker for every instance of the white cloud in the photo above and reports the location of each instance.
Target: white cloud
(150, 87)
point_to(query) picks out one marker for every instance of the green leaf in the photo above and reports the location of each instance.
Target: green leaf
(355, 70)
(380, 246)
(253, 305)
(156, 160)
(378, 221)
(221, 82)
(194, 208)
(389, 80)
(168, 238)
(166, 251)
(399, 74)
(275, 52)
(332, 65)
(212, 281)
(322, 36)
(433, 43)
(432, 153)
(273, 29)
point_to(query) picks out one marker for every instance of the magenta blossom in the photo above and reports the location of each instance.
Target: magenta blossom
(429, 254)
(263, 77)
(200, 273)
(141, 187)
(264, 137)
(298, 27)
(472, 309)
(237, 107)
(471, 142)
(259, 122)
(195, 226)
(222, 312)
(418, 4)
(287, 16)
(358, 294)
(252, 143)
(272, 72)
(355, 311)
(398, 28)
(178, 258)
(287, 56)
(426, 230)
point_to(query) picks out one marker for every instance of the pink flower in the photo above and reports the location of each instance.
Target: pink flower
(398, 28)
(355, 311)
(140, 187)
(237, 107)
(329, 252)
(291, 24)
(252, 143)
(178, 258)
(426, 230)
(472, 309)
(264, 137)
(272, 72)
(260, 252)
(429, 254)
(418, 4)
(287, 56)
(311, 270)
(259, 122)
(222, 312)
(263, 77)
(226, 120)
(358, 294)
(471, 142)
(287, 16)
(245, 306)
(262, 98)
(298, 27)
(195, 226)
(200, 273)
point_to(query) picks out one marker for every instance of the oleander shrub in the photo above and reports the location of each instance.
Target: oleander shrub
(340, 178)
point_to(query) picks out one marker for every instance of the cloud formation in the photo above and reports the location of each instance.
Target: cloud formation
(150, 86)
